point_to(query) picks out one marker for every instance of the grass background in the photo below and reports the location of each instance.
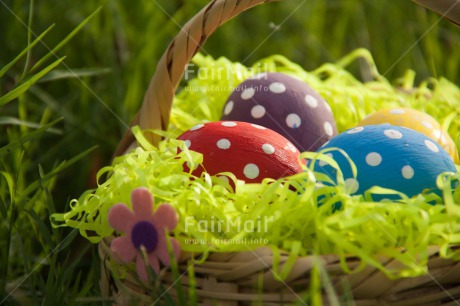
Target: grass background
(59, 128)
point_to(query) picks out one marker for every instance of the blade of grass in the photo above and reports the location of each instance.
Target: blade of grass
(9, 182)
(70, 266)
(54, 104)
(176, 275)
(158, 292)
(11, 217)
(28, 269)
(16, 121)
(41, 227)
(29, 36)
(315, 286)
(192, 296)
(74, 73)
(27, 84)
(56, 289)
(25, 51)
(48, 198)
(67, 240)
(52, 281)
(65, 164)
(27, 137)
(65, 40)
(74, 288)
(51, 208)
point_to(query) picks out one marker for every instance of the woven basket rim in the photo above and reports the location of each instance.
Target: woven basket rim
(219, 281)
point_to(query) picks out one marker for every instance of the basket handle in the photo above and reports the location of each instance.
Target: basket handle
(156, 106)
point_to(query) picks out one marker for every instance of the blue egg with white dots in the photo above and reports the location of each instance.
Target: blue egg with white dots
(387, 156)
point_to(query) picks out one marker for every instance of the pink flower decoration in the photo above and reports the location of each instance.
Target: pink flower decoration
(143, 227)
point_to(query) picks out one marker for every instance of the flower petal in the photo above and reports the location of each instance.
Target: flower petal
(123, 249)
(162, 251)
(121, 217)
(142, 201)
(142, 269)
(154, 263)
(165, 217)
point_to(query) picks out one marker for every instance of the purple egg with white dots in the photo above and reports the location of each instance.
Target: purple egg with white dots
(388, 156)
(286, 105)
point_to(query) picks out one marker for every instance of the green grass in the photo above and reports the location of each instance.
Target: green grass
(73, 73)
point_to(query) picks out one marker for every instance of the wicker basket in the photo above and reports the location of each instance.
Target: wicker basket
(233, 278)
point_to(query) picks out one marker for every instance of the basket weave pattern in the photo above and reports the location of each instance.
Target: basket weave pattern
(235, 278)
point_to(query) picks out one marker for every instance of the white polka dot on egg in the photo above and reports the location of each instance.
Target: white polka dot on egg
(397, 111)
(188, 143)
(259, 127)
(352, 185)
(318, 185)
(430, 145)
(311, 101)
(427, 124)
(228, 123)
(407, 172)
(189, 165)
(393, 134)
(355, 130)
(328, 107)
(258, 111)
(196, 127)
(268, 148)
(259, 76)
(248, 93)
(229, 107)
(328, 128)
(293, 121)
(373, 159)
(223, 144)
(325, 144)
(251, 171)
(290, 146)
(277, 87)
(322, 163)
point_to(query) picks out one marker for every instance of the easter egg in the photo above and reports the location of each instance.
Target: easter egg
(249, 151)
(416, 120)
(388, 156)
(286, 105)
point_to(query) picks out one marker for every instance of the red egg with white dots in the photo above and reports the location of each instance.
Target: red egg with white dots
(249, 151)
